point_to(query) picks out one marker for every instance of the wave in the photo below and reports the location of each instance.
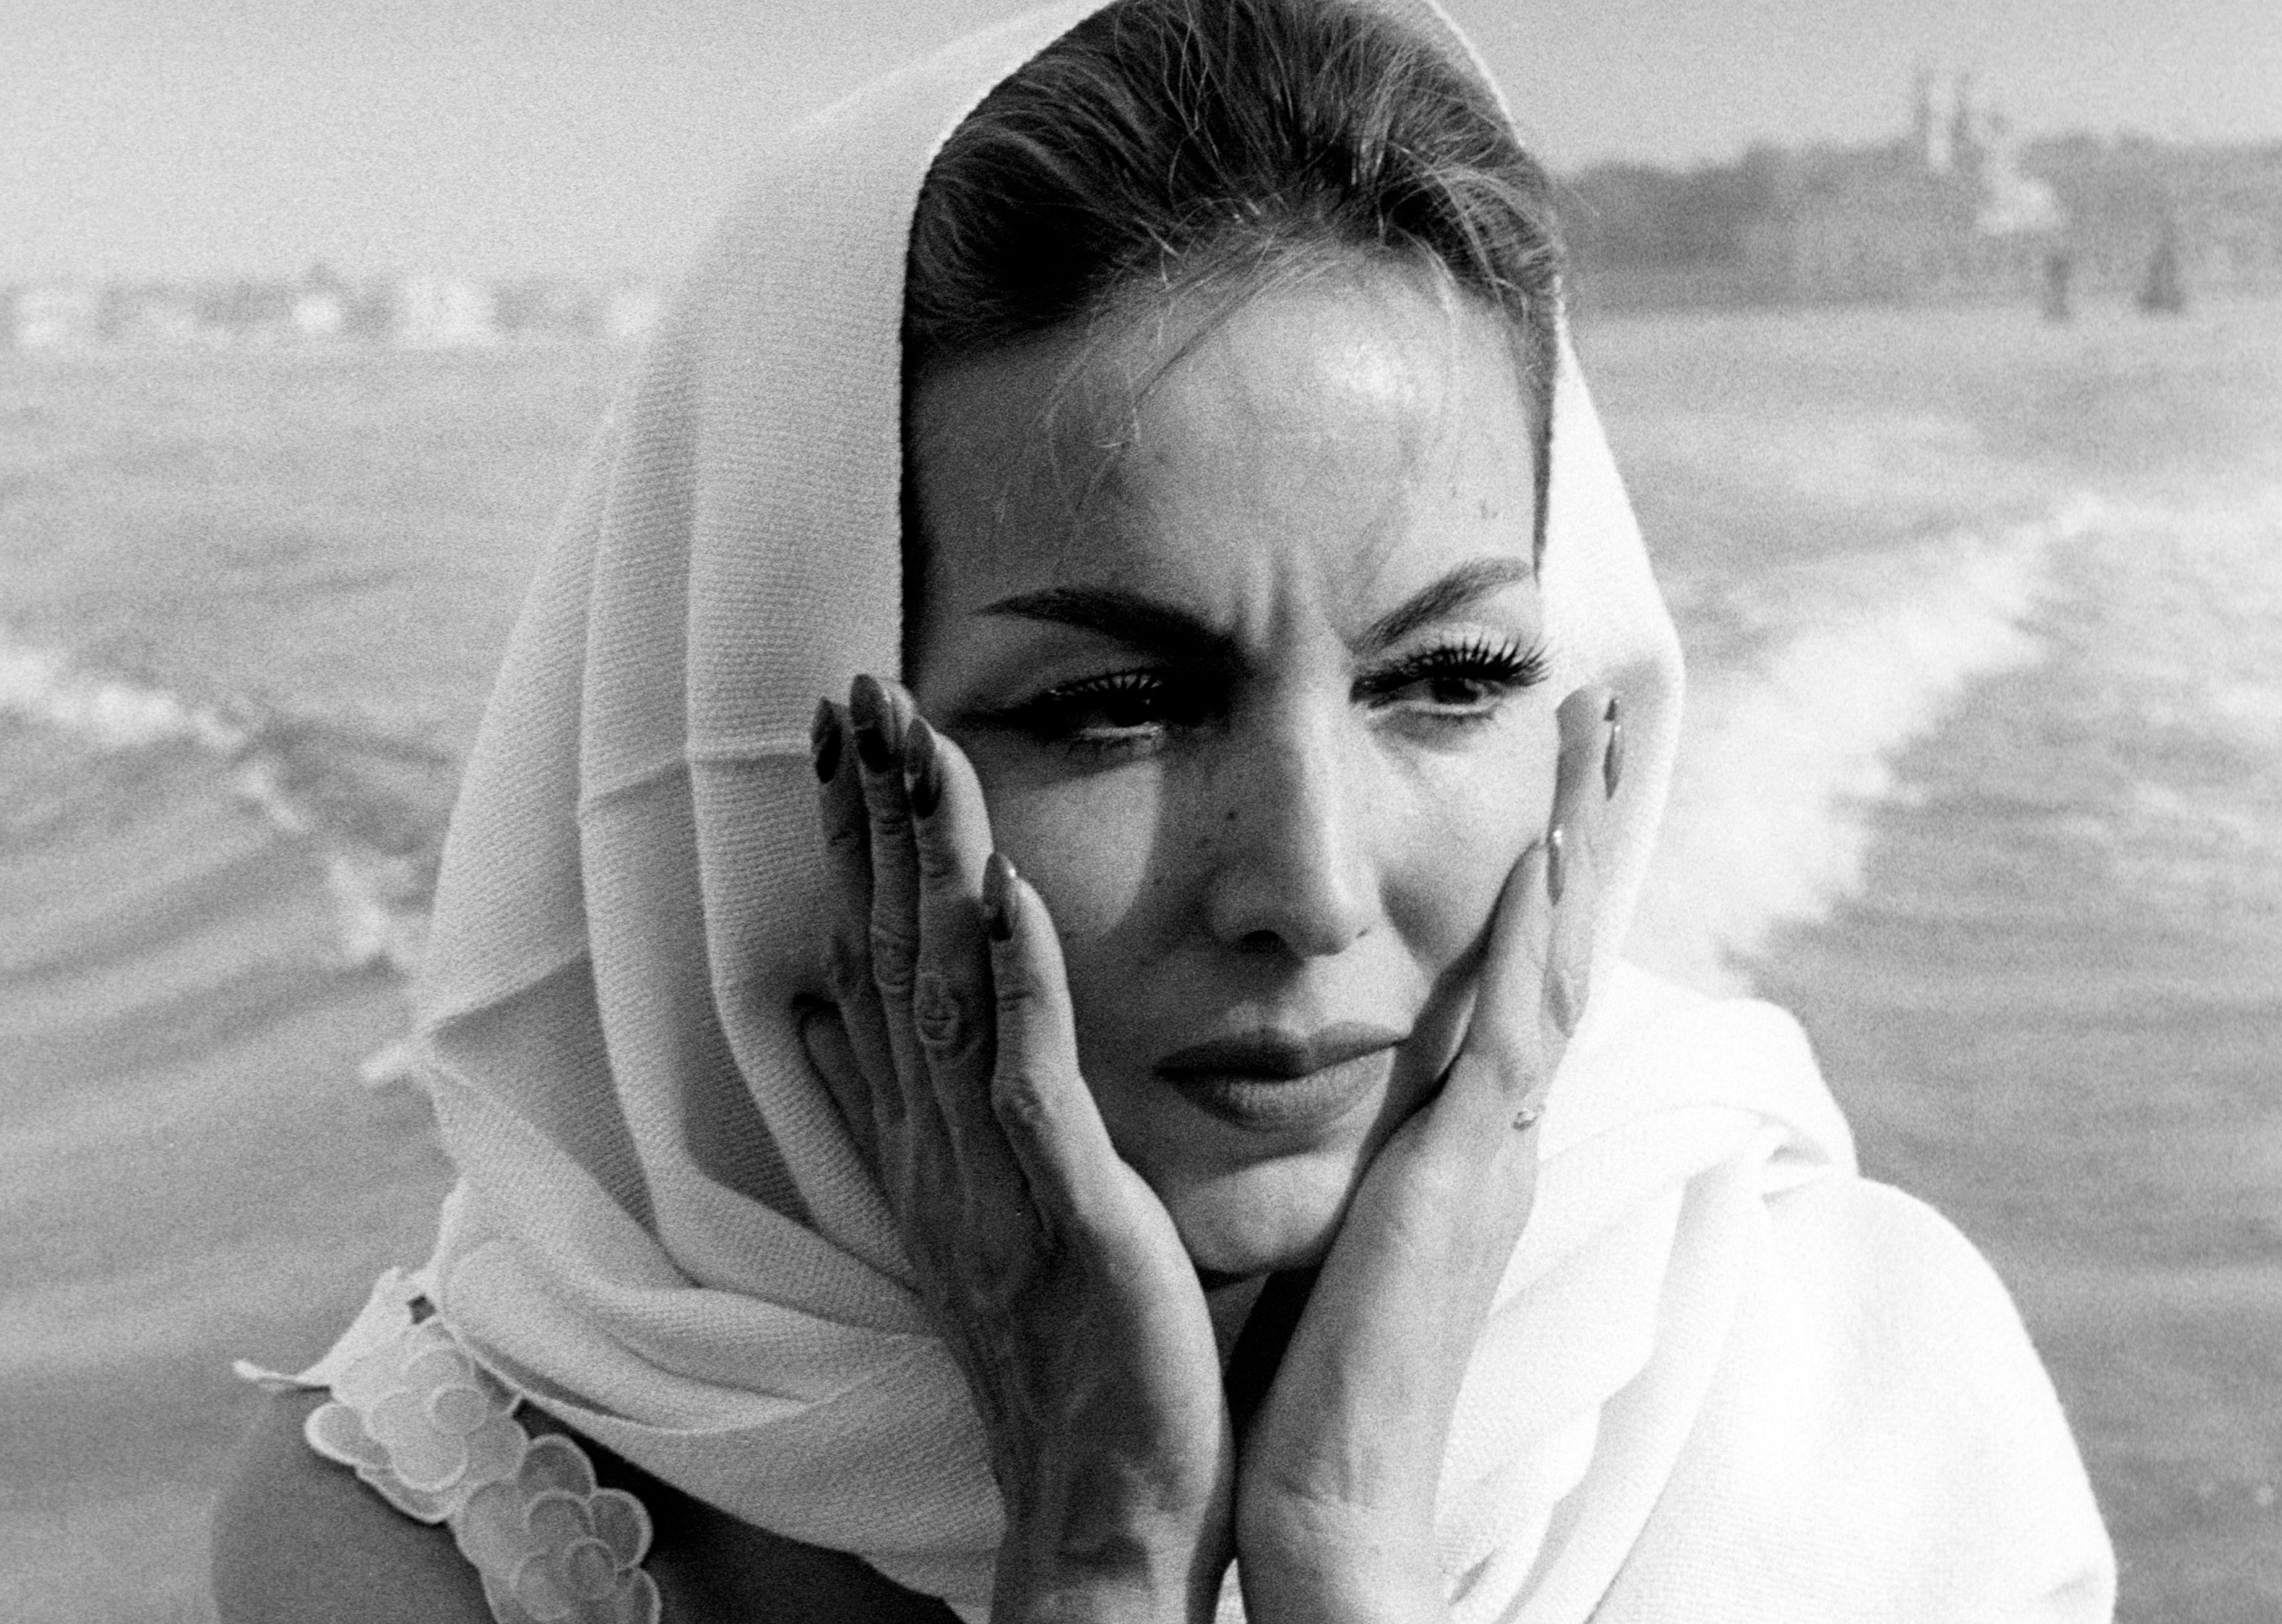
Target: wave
(1784, 756)
(2183, 664)
(40, 686)
(373, 807)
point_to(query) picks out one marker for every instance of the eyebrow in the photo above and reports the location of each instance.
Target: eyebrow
(1142, 621)
(1461, 588)
(1122, 617)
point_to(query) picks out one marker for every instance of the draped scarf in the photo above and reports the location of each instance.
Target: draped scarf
(661, 1232)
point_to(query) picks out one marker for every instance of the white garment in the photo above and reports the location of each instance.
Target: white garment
(1725, 1378)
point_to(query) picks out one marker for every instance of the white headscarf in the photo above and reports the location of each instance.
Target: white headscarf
(662, 1232)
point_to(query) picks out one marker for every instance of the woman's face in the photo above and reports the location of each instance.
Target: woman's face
(1238, 623)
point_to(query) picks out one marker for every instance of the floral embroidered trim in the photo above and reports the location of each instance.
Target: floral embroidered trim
(435, 1434)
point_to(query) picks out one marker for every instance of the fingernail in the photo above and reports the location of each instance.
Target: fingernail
(868, 708)
(1613, 765)
(998, 894)
(922, 777)
(824, 742)
(1557, 863)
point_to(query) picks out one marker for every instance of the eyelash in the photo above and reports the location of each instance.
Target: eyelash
(1060, 715)
(1504, 666)
(1064, 716)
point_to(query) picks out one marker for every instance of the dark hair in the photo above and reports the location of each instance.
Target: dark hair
(1161, 145)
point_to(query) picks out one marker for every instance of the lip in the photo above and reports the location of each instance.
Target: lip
(1275, 1079)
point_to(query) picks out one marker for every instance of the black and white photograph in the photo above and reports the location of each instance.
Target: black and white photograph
(1146, 811)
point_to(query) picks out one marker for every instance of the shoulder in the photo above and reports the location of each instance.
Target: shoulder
(1919, 1432)
(297, 1537)
(1886, 1253)
(1902, 1322)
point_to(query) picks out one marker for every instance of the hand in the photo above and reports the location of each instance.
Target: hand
(1053, 1273)
(1335, 1515)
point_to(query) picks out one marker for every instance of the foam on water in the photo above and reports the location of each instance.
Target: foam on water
(377, 902)
(379, 897)
(2187, 643)
(40, 686)
(1782, 759)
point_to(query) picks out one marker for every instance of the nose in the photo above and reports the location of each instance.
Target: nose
(1291, 871)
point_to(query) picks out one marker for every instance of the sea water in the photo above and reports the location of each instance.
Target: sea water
(250, 607)
(1983, 777)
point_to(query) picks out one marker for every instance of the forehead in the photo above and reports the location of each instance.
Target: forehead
(1337, 442)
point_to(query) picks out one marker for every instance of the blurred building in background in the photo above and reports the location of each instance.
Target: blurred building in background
(1958, 206)
(576, 309)
(441, 312)
(322, 308)
(51, 316)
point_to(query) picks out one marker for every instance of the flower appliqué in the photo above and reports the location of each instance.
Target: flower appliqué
(435, 1434)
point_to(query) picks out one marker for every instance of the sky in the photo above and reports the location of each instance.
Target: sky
(499, 137)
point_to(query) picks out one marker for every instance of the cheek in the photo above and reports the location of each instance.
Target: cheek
(1085, 844)
(1479, 812)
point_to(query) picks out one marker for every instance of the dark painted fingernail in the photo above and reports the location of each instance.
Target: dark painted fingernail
(1557, 863)
(997, 898)
(868, 708)
(1612, 764)
(922, 774)
(824, 742)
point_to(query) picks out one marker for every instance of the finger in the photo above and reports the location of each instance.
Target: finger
(1503, 1069)
(824, 1039)
(1043, 1105)
(869, 1097)
(952, 990)
(1579, 804)
(891, 929)
(1535, 971)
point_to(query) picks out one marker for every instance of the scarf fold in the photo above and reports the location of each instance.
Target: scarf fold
(661, 1232)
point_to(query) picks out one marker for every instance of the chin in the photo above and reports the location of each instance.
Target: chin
(1279, 1214)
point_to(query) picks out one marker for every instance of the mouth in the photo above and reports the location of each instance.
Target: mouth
(1284, 1080)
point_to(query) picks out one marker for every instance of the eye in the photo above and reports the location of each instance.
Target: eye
(1462, 682)
(1115, 713)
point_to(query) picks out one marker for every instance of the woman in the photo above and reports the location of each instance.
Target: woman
(1168, 1093)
